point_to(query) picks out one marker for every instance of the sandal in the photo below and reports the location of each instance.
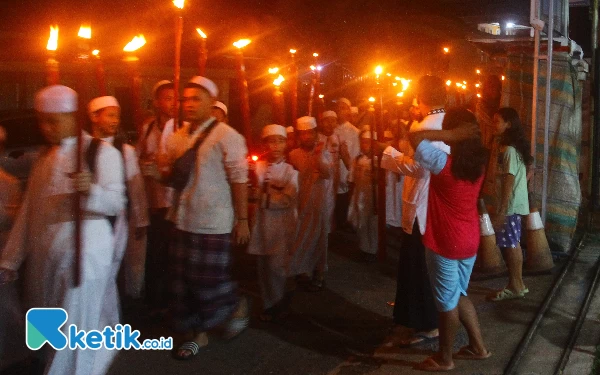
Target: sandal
(467, 352)
(507, 294)
(431, 365)
(418, 339)
(237, 325)
(191, 347)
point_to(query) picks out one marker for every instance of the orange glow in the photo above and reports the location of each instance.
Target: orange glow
(179, 3)
(96, 52)
(254, 158)
(405, 84)
(312, 67)
(136, 43)
(400, 94)
(273, 70)
(388, 74)
(464, 87)
(478, 71)
(479, 95)
(53, 40)
(378, 70)
(448, 83)
(292, 51)
(446, 49)
(503, 78)
(202, 34)
(477, 85)
(278, 81)
(85, 32)
(321, 96)
(395, 84)
(372, 99)
(458, 84)
(242, 43)
(315, 54)
(397, 78)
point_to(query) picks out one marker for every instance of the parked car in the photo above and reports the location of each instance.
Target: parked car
(23, 142)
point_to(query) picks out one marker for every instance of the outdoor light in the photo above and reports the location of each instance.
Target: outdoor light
(400, 94)
(136, 43)
(292, 51)
(254, 158)
(378, 70)
(389, 74)
(321, 96)
(96, 52)
(312, 67)
(202, 34)
(510, 25)
(279, 80)
(477, 85)
(448, 83)
(179, 3)
(242, 43)
(372, 99)
(479, 95)
(503, 78)
(85, 32)
(478, 71)
(395, 84)
(315, 54)
(273, 70)
(446, 49)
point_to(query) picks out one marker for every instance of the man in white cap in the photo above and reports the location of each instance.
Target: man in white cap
(45, 228)
(332, 144)
(274, 225)
(291, 139)
(219, 111)
(349, 150)
(131, 226)
(354, 115)
(210, 210)
(315, 166)
(160, 197)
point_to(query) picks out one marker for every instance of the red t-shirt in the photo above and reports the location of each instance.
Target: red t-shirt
(452, 218)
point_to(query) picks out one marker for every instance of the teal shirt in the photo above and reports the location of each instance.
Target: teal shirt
(510, 162)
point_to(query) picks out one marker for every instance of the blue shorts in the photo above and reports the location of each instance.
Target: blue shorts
(449, 279)
(509, 235)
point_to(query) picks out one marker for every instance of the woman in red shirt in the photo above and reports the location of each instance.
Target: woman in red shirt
(452, 234)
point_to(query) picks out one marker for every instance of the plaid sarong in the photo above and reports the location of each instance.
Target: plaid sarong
(204, 296)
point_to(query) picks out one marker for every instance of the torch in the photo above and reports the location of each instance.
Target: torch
(243, 86)
(136, 82)
(100, 77)
(177, 68)
(294, 86)
(52, 72)
(278, 97)
(203, 53)
(379, 178)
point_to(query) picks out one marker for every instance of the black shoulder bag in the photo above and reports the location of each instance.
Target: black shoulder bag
(182, 167)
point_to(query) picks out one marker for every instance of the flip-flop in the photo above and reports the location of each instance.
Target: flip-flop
(466, 352)
(417, 339)
(431, 365)
(507, 294)
(190, 346)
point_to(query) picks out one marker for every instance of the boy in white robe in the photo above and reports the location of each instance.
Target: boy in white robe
(361, 213)
(315, 173)
(275, 223)
(131, 225)
(45, 227)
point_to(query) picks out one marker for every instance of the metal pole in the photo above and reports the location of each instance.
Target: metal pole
(550, 34)
(534, 105)
(596, 95)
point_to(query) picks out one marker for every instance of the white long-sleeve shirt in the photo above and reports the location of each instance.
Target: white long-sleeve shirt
(347, 134)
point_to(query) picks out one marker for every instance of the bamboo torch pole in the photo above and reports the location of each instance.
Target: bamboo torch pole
(202, 53)
(294, 87)
(243, 87)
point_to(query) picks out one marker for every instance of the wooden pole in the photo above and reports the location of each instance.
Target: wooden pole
(136, 94)
(381, 182)
(279, 106)
(52, 69)
(244, 98)
(177, 68)
(203, 57)
(294, 89)
(100, 77)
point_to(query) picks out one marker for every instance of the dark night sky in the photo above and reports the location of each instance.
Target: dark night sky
(355, 32)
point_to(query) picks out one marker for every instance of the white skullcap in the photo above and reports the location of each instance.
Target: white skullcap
(366, 134)
(56, 99)
(329, 114)
(102, 102)
(415, 103)
(289, 129)
(207, 84)
(160, 84)
(388, 134)
(345, 101)
(273, 129)
(221, 106)
(306, 123)
(354, 110)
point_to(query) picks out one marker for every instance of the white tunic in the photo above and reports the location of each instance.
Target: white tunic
(348, 135)
(10, 199)
(314, 218)
(361, 203)
(275, 224)
(43, 233)
(332, 145)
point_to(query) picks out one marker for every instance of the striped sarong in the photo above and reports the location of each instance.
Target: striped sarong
(204, 295)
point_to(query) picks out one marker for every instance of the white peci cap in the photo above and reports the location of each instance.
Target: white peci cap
(289, 129)
(56, 99)
(160, 84)
(329, 114)
(273, 129)
(345, 101)
(306, 123)
(207, 84)
(102, 102)
(221, 106)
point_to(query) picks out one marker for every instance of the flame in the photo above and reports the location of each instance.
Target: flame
(178, 3)
(136, 43)
(395, 84)
(315, 54)
(458, 84)
(378, 70)
(389, 74)
(312, 67)
(478, 71)
(448, 83)
(372, 99)
(464, 87)
(278, 81)
(85, 32)
(292, 51)
(477, 85)
(405, 84)
(400, 94)
(398, 78)
(242, 43)
(321, 96)
(446, 49)
(479, 95)
(464, 82)
(202, 35)
(53, 40)
(319, 67)
(503, 78)
(273, 70)
(254, 158)
(96, 52)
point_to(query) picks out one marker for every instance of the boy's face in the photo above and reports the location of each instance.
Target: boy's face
(344, 112)
(328, 125)
(275, 145)
(308, 138)
(365, 145)
(197, 104)
(164, 102)
(57, 126)
(106, 121)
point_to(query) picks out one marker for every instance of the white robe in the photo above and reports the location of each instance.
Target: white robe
(332, 145)
(44, 234)
(361, 212)
(273, 231)
(315, 195)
